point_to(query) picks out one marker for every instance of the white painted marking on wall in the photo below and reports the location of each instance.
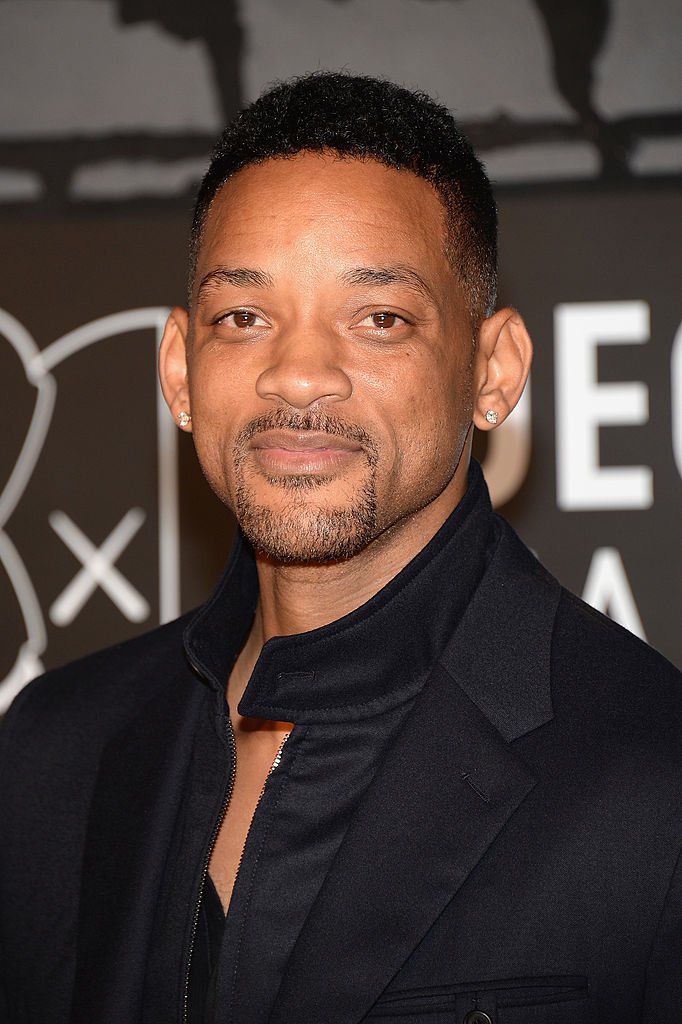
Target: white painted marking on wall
(27, 664)
(584, 404)
(169, 512)
(98, 569)
(37, 365)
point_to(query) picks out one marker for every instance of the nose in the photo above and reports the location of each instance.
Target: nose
(304, 369)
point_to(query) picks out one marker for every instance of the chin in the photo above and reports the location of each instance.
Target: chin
(305, 532)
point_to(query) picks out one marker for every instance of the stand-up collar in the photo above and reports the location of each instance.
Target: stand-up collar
(371, 659)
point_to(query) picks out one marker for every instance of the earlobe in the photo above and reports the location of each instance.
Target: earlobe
(503, 359)
(173, 367)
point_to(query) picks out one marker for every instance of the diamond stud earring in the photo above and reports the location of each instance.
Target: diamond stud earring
(491, 416)
(184, 418)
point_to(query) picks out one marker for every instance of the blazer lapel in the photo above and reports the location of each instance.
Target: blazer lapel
(500, 653)
(447, 788)
(135, 803)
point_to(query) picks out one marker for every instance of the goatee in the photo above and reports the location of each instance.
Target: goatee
(306, 531)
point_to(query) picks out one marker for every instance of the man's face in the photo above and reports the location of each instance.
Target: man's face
(329, 356)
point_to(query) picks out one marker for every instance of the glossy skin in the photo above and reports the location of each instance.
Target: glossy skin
(317, 335)
(332, 376)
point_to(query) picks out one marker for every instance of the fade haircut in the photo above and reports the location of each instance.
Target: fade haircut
(369, 118)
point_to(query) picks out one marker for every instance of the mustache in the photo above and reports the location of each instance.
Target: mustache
(320, 422)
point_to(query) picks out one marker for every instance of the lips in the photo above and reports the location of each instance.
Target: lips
(286, 451)
(303, 441)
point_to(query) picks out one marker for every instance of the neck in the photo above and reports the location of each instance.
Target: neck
(298, 598)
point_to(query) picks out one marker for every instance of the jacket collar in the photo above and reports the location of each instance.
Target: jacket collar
(500, 654)
(375, 657)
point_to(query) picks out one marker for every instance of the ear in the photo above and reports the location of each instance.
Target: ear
(503, 357)
(173, 365)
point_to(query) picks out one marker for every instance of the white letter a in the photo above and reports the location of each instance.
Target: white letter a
(608, 590)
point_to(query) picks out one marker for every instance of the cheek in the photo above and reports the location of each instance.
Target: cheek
(211, 453)
(216, 394)
(213, 430)
(435, 422)
(440, 404)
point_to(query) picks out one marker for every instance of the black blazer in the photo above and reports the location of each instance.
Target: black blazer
(515, 856)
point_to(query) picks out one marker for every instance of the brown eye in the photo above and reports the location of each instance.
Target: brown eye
(243, 318)
(384, 320)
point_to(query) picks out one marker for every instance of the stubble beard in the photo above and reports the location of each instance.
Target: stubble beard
(306, 531)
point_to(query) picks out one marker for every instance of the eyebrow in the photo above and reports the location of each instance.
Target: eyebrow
(394, 274)
(239, 277)
(375, 277)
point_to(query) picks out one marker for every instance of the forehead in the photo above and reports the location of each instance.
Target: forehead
(343, 207)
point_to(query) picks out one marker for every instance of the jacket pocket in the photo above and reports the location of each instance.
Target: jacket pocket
(540, 1000)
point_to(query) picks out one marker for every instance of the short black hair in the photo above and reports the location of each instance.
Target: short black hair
(369, 118)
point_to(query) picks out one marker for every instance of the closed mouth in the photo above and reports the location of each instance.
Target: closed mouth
(302, 442)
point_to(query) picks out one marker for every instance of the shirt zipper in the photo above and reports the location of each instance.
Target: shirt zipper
(275, 763)
(212, 842)
(204, 873)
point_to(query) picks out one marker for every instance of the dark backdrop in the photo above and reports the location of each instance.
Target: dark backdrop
(106, 526)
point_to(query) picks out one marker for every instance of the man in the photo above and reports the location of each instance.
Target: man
(390, 770)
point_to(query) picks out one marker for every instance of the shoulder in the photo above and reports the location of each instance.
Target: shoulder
(585, 643)
(589, 646)
(618, 706)
(601, 675)
(73, 710)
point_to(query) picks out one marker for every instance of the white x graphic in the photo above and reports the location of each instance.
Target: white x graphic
(98, 569)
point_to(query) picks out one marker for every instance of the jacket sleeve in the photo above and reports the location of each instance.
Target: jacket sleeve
(663, 992)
